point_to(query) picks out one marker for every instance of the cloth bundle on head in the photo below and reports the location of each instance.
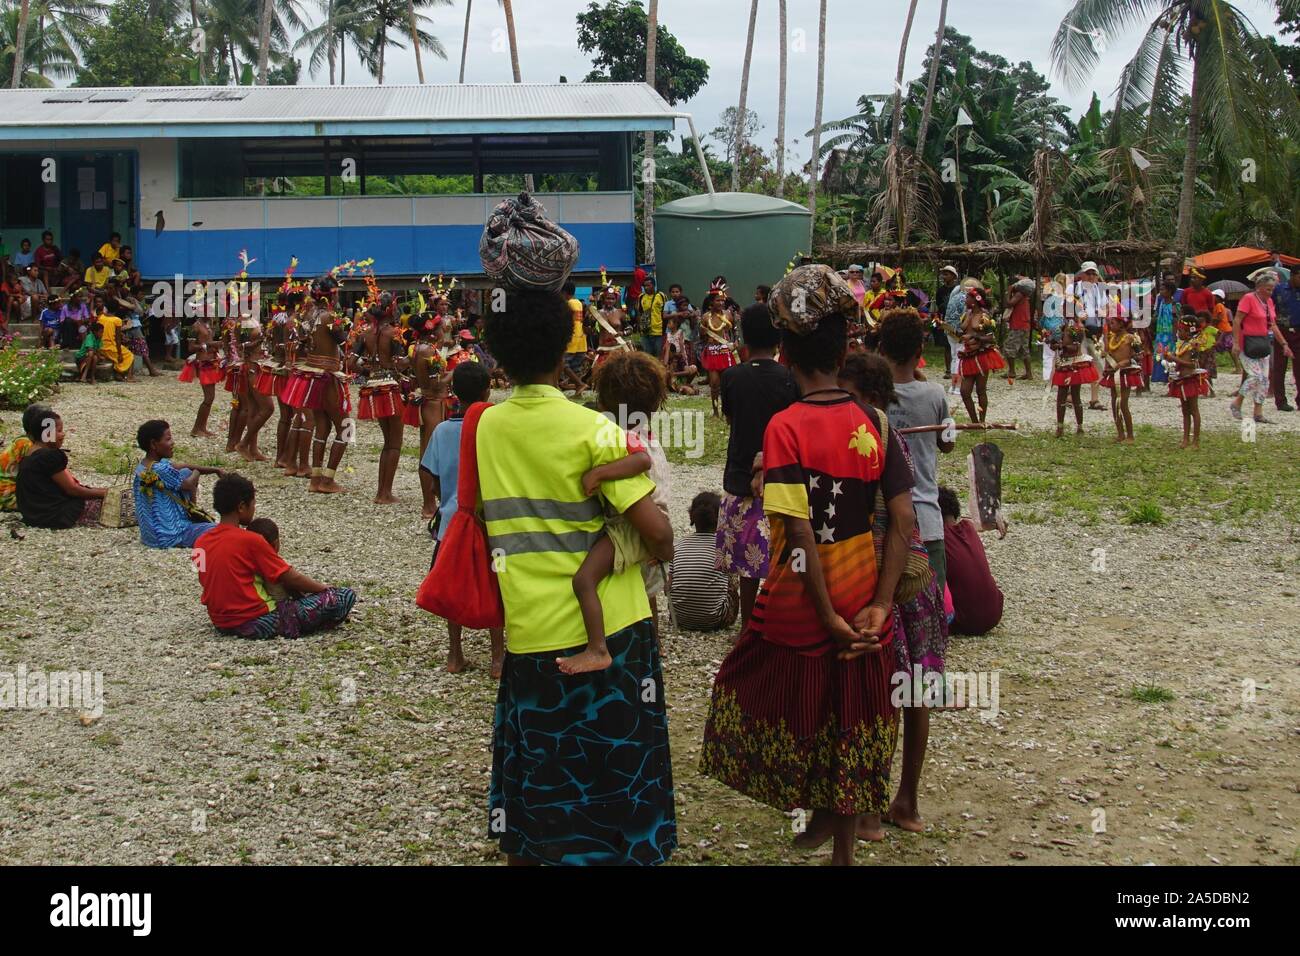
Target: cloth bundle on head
(809, 294)
(522, 248)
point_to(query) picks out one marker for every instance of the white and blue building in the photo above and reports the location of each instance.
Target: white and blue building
(406, 175)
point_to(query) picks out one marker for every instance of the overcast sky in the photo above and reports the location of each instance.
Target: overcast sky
(861, 55)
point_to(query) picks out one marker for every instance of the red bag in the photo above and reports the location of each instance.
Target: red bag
(462, 586)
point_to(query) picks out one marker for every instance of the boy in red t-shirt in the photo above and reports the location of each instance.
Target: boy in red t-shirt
(237, 567)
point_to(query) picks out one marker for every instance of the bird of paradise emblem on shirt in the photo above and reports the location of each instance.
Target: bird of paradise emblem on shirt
(864, 443)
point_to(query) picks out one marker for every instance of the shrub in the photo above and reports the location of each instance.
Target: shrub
(27, 377)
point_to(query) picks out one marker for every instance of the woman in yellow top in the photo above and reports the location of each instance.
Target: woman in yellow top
(112, 348)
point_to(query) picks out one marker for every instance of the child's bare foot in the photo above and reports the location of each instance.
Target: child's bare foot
(300, 473)
(1060, 431)
(869, 828)
(1184, 444)
(385, 499)
(904, 819)
(1078, 431)
(251, 454)
(816, 834)
(589, 660)
(455, 662)
(428, 514)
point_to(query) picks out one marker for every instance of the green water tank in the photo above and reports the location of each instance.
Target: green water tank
(749, 238)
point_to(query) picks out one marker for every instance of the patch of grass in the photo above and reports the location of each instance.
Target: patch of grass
(1228, 481)
(1151, 694)
(113, 458)
(106, 739)
(1146, 513)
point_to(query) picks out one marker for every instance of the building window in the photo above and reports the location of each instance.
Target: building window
(23, 195)
(404, 166)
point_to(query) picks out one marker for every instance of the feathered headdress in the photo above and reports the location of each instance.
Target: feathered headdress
(606, 285)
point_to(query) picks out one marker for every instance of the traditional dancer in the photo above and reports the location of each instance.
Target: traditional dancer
(426, 407)
(380, 353)
(611, 320)
(718, 352)
(257, 406)
(319, 386)
(231, 372)
(293, 429)
(202, 366)
(1122, 355)
(1073, 369)
(1187, 380)
(979, 353)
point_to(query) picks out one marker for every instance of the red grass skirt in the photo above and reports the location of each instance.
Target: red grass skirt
(411, 413)
(270, 380)
(797, 731)
(306, 388)
(975, 364)
(188, 373)
(717, 358)
(1130, 376)
(206, 372)
(238, 378)
(1193, 386)
(1085, 373)
(380, 401)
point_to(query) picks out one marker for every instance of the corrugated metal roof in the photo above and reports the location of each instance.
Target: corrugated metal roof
(330, 105)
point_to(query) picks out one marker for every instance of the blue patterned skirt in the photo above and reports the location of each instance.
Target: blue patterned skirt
(581, 772)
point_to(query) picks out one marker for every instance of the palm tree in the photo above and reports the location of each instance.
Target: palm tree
(381, 16)
(415, 39)
(46, 48)
(934, 75)
(1240, 97)
(780, 106)
(464, 44)
(741, 111)
(898, 174)
(264, 40)
(327, 42)
(514, 42)
(68, 19)
(514, 65)
(648, 187)
(20, 44)
(815, 170)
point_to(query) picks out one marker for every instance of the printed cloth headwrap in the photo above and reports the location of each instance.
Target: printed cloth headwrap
(809, 294)
(522, 248)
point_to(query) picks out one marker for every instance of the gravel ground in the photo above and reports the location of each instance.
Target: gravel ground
(357, 747)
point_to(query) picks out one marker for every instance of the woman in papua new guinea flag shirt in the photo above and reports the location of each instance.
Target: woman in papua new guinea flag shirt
(801, 715)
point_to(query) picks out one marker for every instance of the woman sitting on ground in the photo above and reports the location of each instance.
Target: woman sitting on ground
(48, 495)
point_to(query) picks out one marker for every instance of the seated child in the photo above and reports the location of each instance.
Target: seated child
(631, 386)
(88, 353)
(269, 530)
(51, 320)
(702, 598)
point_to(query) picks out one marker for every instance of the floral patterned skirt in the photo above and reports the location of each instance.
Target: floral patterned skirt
(743, 537)
(795, 730)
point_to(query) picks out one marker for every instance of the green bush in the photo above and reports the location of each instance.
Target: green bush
(27, 377)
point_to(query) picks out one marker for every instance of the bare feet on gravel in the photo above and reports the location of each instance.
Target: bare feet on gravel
(869, 828)
(905, 818)
(385, 499)
(816, 834)
(323, 486)
(456, 662)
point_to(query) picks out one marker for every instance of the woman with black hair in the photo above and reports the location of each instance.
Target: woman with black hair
(48, 496)
(581, 772)
(801, 715)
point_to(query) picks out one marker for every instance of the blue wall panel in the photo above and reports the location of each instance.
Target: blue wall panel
(397, 250)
